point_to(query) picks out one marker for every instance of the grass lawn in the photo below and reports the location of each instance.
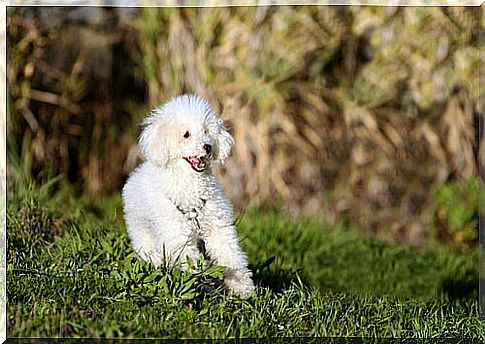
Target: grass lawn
(72, 273)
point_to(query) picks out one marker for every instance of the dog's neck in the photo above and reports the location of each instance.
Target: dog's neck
(188, 188)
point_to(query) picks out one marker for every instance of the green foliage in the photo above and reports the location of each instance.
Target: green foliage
(457, 207)
(461, 199)
(84, 280)
(338, 258)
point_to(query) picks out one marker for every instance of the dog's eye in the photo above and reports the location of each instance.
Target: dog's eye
(187, 134)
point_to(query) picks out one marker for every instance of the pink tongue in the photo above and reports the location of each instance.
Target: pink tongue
(195, 161)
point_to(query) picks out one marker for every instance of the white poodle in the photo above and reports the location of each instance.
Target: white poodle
(174, 207)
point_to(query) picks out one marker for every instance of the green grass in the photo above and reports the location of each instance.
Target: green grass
(72, 273)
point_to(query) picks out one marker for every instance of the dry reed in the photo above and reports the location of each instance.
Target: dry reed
(354, 113)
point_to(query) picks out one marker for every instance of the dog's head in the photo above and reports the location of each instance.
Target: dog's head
(185, 129)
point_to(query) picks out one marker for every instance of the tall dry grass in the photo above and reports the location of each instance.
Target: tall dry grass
(354, 113)
(71, 109)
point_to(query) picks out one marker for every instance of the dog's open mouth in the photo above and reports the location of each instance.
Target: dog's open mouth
(197, 163)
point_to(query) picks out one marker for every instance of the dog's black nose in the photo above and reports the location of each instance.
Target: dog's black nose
(207, 148)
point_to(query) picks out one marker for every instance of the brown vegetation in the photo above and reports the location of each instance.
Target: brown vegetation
(354, 113)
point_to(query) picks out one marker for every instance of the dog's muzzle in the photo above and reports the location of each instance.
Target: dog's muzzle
(198, 164)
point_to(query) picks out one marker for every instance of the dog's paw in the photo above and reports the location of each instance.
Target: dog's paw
(239, 283)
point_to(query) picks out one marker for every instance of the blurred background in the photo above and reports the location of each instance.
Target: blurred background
(367, 116)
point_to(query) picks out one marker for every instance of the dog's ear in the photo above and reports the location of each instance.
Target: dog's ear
(225, 141)
(153, 141)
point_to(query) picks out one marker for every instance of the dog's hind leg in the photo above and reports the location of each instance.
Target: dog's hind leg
(144, 241)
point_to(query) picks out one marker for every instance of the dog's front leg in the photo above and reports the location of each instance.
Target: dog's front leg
(223, 248)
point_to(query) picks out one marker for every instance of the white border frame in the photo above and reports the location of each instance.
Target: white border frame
(139, 3)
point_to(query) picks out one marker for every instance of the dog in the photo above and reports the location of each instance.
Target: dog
(174, 207)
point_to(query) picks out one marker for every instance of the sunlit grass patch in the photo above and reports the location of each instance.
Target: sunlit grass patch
(83, 279)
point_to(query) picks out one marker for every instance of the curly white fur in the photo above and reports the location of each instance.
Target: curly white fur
(174, 207)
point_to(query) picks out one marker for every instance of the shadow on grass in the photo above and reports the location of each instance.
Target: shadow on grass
(277, 279)
(461, 287)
